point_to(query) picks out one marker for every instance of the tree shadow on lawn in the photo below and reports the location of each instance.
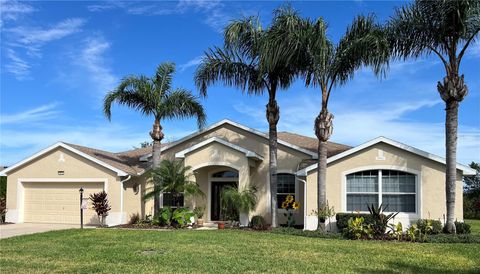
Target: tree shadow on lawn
(404, 267)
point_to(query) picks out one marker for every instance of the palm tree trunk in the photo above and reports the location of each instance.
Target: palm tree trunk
(453, 90)
(273, 115)
(323, 131)
(451, 126)
(157, 136)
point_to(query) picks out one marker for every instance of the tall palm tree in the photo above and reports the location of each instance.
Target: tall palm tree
(445, 29)
(173, 177)
(332, 65)
(256, 61)
(154, 96)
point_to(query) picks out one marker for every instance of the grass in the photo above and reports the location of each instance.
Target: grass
(128, 251)
(475, 226)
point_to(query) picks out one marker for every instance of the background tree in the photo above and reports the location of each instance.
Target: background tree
(445, 29)
(154, 96)
(330, 65)
(471, 194)
(256, 61)
(173, 177)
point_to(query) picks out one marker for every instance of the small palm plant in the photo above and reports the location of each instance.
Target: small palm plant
(243, 201)
(154, 96)
(173, 177)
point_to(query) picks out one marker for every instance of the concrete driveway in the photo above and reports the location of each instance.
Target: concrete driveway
(11, 230)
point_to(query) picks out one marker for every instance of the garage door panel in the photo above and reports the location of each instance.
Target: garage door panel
(58, 202)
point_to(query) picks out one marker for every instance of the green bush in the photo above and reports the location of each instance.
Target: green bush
(342, 219)
(164, 217)
(181, 217)
(306, 233)
(429, 226)
(453, 238)
(358, 229)
(258, 223)
(462, 228)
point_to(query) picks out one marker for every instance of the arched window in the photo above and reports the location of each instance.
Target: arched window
(395, 189)
(285, 187)
(225, 174)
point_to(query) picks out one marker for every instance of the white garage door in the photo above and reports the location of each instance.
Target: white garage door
(58, 202)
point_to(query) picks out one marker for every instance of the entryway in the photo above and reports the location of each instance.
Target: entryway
(219, 181)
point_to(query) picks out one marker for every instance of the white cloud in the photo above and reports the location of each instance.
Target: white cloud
(41, 113)
(92, 59)
(13, 10)
(31, 40)
(191, 63)
(17, 66)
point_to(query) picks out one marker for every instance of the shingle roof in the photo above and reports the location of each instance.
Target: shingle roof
(311, 143)
(129, 161)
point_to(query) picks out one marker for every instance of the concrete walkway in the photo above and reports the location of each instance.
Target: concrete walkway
(11, 230)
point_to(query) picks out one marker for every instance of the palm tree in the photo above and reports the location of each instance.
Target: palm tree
(256, 61)
(173, 177)
(331, 65)
(445, 29)
(154, 96)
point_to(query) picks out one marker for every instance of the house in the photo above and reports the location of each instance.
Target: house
(44, 187)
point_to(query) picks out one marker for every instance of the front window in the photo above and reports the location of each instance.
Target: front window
(395, 189)
(285, 187)
(173, 201)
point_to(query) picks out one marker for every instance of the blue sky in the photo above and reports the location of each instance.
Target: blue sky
(58, 59)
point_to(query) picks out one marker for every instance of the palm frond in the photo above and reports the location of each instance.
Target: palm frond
(228, 67)
(163, 77)
(132, 92)
(180, 103)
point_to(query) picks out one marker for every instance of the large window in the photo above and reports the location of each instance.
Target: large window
(285, 187)
(172, 201)
(395, 189)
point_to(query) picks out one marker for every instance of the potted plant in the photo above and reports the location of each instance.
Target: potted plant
(199, 211)
(238, 204)
(325, 212)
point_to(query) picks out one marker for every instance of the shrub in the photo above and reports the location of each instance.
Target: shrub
(358, 229)
(100, 205)
(164, 217)
(198, 211)
(453, 238)
(429, 226)
(3, 209)
(379, 220)
(306, 233)
(342, 219)
(181, 217)
(134, 219)
(258, 223)
(462, 228)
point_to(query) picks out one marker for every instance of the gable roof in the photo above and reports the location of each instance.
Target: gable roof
(107, 163)
(248, 153)
(466, 170)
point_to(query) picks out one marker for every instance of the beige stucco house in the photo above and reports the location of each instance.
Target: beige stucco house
(44, 187)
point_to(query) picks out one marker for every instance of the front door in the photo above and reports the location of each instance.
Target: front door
(217, 187)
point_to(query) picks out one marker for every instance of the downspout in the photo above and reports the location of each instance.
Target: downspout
(121, 197)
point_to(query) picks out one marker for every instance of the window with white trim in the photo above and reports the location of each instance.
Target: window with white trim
(395, 189)
(285, 187)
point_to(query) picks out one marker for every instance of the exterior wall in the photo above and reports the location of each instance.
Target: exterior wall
(430, 177)
(46, 169)
(132, 199)
(288, 162)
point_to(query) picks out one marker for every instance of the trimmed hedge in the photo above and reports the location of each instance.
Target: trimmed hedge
(342, 219)
(306, 233)
(462, 228)
(454, 239)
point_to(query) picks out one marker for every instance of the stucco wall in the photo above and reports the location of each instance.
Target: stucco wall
(432, 179)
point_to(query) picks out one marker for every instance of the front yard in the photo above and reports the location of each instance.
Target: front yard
(128, 251)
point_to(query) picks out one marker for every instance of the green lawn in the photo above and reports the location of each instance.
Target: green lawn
(128, 251)
(475, 226)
